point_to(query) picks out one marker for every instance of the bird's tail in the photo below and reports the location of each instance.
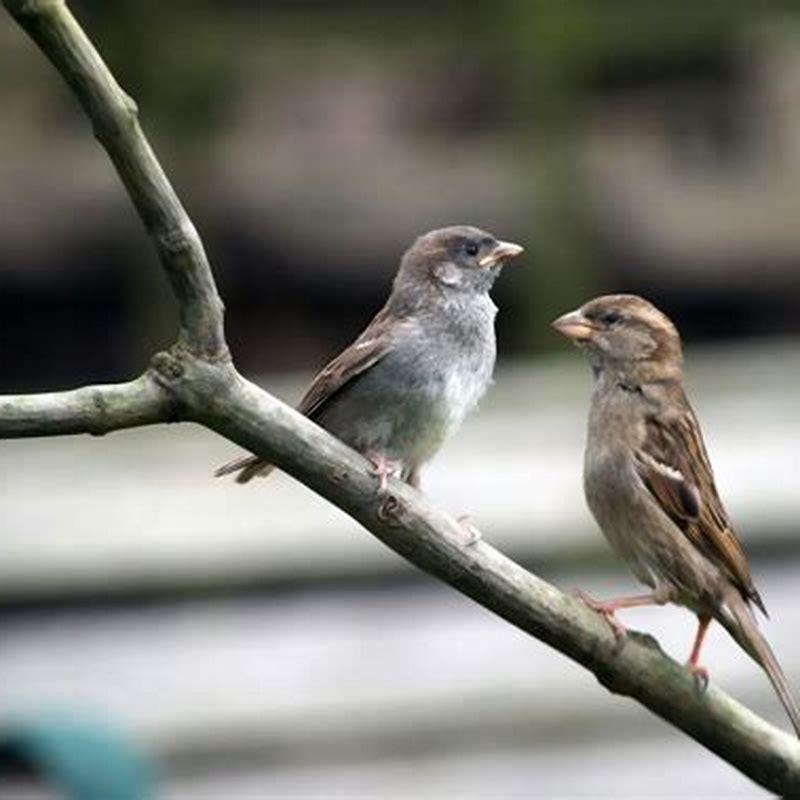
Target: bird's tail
(248, 468)
(742, 625)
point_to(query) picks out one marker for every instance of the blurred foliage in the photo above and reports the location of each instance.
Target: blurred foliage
(515, 81)
(564, 51)
(178, 59)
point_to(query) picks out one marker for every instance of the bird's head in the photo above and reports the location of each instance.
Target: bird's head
(626, 333)
(458, 259)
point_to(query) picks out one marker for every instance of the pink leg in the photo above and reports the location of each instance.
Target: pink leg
(693, 665)
(608, 608)
(383, 469)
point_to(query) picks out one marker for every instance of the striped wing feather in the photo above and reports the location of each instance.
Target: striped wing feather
(674, 465)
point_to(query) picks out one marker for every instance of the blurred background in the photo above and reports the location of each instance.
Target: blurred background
(254, 642)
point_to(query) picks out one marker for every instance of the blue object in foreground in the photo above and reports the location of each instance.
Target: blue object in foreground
(80, 757)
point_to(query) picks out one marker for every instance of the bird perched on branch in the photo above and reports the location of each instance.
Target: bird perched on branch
(404, 386)
(649, 484)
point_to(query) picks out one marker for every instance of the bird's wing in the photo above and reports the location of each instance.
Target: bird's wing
(366, 351)
(673, 464)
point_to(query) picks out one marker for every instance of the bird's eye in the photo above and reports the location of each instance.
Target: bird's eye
(471, 248)
(610, 318)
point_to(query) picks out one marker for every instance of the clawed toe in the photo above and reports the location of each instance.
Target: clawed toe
(383, 481)
(382, 469)
(620, 631)
(606, 610)
(700, 675)
(473, 534)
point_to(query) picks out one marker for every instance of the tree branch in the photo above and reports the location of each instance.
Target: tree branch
(92, 409)
(114, 116)
(404, 520)
(196, 377)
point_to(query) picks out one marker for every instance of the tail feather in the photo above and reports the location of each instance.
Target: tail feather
(742, 625)
(248, 468)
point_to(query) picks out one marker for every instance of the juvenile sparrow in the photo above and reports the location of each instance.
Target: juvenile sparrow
(649, 484)
(404, 386)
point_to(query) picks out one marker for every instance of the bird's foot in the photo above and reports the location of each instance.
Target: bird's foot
(700, 674)
(607, 610)
(473, 534)
(382, 468)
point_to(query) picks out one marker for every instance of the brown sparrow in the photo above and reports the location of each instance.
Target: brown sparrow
(649, 484)
(404, 386)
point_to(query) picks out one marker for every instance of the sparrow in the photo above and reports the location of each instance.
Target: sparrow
(424, 361)
(649, 484)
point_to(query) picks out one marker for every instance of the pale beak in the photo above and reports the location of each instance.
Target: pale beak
(575, 326)
(502, 251)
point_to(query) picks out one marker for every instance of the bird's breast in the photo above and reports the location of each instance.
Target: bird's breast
(442, 371)
(613, 489)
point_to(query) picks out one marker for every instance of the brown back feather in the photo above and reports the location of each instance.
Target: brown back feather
(366, 351)
(676, 442)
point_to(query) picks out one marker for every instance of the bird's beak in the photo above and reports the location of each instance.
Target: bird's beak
(575, 326)
(502, 251)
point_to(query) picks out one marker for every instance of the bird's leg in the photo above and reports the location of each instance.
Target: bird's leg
(608, 608)
(383, 468)
(693, 664)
